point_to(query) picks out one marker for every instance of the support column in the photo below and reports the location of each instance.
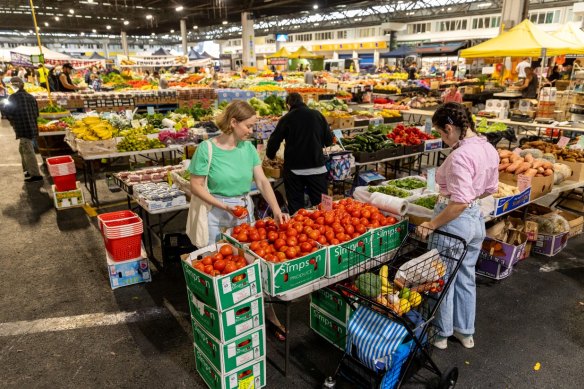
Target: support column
(355, 55)
(335, 55)
(513, 12)
(125, 43)
(376, 58)
(248, 56)
(105, 48)
(183, 35)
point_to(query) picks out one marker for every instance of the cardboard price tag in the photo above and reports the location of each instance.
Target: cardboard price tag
(150, 110)
(563, 142)
(327, 202)
(523, 182)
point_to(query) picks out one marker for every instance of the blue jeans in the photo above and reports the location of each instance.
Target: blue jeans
(458, 308)
(220, 220)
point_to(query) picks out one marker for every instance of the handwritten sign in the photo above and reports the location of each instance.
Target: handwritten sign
(129, 114)
(327, 202)
(563, 142)
(523, 182)
(135, 123)
(431, 179)
(150, 110)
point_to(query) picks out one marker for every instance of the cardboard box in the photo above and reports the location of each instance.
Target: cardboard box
(345, 256)
(369, 177)
(508, 254)
(130, 272)
(227, 325)
(509, 203)
(154, 205)
(576, 223)
(492, 267)
(540, 186)
(252, 375)
(345, 122)
(328, 328)
(332, 303)
(432, 144)
(222, 292)
(550, 245)
(577, 170)
(388, 238)
(230, 356)
(281, 277)
(68, 199)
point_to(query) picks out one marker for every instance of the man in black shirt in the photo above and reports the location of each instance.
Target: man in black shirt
(306, 132)
(22, 111)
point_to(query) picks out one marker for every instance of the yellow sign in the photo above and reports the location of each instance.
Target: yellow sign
(350, 46)
(247, 383)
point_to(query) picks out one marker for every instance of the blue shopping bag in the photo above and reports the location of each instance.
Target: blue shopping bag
(375, 338)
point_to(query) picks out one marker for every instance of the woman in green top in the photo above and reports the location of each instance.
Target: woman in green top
(234, 165)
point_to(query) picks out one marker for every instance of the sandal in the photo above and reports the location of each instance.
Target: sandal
(279, 331)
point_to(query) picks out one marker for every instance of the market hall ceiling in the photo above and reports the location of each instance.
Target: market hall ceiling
(220, 18)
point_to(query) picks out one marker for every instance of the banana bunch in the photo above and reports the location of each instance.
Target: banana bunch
(92, 128)
(386, 286)
(390, 113)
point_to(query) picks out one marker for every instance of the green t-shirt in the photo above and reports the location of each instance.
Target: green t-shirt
(231, 171)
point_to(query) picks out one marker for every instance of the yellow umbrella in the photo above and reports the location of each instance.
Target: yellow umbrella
(569, 32)
(282, 53)
(303, 52)
(523, 40)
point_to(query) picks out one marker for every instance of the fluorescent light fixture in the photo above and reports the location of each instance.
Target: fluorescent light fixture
(71, 11)
(148, 17)
(195, 27)
(126, 22)
(56, 18)
(224, 22)
(484, 5)
(94, 31)
(108, 27)
(82, 33)
(315, 6)
(46, 24)
(179, 8)
(153, 34)
(172, 31)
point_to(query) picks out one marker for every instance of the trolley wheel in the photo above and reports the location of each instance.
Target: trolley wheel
(448, 379)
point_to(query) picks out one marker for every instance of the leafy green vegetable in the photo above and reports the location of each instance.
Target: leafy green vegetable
(427, 202)
(369, 284)
(391, 191)
(408, 183)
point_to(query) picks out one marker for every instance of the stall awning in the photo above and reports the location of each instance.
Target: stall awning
(439, 48)
(400, 52)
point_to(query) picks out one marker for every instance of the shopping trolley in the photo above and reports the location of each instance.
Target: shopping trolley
(387, 343)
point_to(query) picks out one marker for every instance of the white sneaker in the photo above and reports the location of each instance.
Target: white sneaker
(441, 342)
(466, 340)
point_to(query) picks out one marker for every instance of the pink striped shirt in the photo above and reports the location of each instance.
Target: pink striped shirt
(470, 171)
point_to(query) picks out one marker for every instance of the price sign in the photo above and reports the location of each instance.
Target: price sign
(135, 124)
(327, 202)
(563, 142)
(517, 151)
(431, 179)
(150, 110)
(129, 114)
(246, 383)
(523, 182)
(339, 136)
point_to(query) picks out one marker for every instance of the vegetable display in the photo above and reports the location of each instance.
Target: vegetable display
(426, 202)
(408, 183)
(390, 190)
(559, 153)
(224, 261)
(410, 136)
(505, 190)
(371, 140)
(515, 164)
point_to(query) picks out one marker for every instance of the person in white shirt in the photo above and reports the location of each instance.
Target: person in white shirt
(520, 68)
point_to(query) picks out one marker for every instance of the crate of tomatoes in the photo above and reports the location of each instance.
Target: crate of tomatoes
(222, 275)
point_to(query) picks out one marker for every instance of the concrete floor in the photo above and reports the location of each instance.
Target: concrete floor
(62, 326)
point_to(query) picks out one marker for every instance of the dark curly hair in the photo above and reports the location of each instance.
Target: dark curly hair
(454, 114)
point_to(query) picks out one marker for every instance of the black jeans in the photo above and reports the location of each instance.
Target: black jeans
(315, 185)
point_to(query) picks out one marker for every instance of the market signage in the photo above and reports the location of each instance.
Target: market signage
(350, 46)
(19, 59)
(153, 60)
(277, 61)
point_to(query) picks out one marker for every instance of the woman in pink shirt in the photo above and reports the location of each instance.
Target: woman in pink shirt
(452, 95)
(468, 174)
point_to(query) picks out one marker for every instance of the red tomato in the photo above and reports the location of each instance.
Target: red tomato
(270, 257)
(241, 262)
(299, 218)
(229, 268)
(329, 235)
(226, 250)
(219, 265)
(291, 253)
(239, 211)
(298, 227)
(349, 229)
(329, 218)
(390, 220)
(209, 269)
(356, 234)
(207, 261)
(264, 244)
(283, 249)
(292, 232)
(254, 246)
(284, 226)
(342, 237)
(242, 237)
(281, 256)
(356, 213)
(375, 224)
(305, 247)
(364, 221)
(320, 221)
(334, 241)
(272, 236)
(200, 267)
(261, 253)
(360, 229)
(291, 241)
(313, 234)
(260, 224)
(322, 240)
(254, 236)
(302, 238)
(366, 213)
(279, 243)
(236, 230)
(302, 212)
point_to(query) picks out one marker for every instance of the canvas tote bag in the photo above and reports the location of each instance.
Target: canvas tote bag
(197, 219)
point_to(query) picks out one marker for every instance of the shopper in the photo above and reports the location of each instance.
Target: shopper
(22, 111)
(306, 132)
(278, 77)
(554, 75)
(225, 181)
(520, 68)
(452, 95)
(162, 83)
(529, 87)
(41, 76)
(308, 76)
(65, 82)
(412, 70)
(469, 173)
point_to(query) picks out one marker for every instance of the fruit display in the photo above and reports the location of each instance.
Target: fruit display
(528, 166)
(92, 128)
(158, 174)
(265, 88)
(558, 153)
(389, 113)
(423, 102)
(226, 260)
(372, 139)
(53, 108)
(307, 90)
(309, 229)
(52, 126)
(505, 190)
(136, 140)
(391, 106)
(394, 76)
(329, 105)
(389, 88)
(272, 105)
(409, 136)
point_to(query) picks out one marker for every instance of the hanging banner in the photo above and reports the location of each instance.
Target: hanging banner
(20, 59)
(156, 61)
(277, 61)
